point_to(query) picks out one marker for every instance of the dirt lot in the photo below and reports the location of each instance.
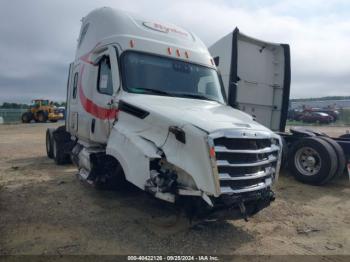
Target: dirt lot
(44, 209)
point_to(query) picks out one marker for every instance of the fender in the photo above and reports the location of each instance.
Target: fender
(133, 153)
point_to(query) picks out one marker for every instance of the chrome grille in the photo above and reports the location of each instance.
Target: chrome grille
(245, 161)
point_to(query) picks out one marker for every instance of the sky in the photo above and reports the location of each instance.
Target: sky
(38, 38)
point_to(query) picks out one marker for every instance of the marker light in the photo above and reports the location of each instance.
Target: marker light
(169, 50)
(178, 52)
(186, 54)
(212, 152)
(132, 43)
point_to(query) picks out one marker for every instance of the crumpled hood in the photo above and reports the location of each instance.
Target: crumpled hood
(207, 115)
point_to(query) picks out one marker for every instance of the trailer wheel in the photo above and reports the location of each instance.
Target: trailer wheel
(312, 161)
(340, 156)
(49, 149)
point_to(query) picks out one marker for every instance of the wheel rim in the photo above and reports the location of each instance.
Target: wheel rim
(307, 161)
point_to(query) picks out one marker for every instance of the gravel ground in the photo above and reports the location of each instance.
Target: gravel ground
(44, 209)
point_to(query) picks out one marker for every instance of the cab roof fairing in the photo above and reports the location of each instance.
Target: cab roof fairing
(106, 25)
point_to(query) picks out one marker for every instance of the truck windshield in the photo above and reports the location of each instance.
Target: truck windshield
(149, 74)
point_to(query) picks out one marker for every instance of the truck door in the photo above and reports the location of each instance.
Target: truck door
(256, 76)
(103, 111)
(72, 107)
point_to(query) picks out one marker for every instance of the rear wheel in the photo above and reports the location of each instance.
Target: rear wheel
(345, 136)
(340, 155)
(312, 161)
(60, 148)
(49, 149)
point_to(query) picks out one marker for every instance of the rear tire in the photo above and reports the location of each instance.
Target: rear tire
(312, 161)
(340, 156)
(345, 136)
(49, 149)
(60, 139)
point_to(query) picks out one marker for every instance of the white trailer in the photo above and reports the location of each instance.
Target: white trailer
(256, 76)
(145, 104)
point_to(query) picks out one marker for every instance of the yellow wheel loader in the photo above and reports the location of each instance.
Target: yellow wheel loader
(41, 111)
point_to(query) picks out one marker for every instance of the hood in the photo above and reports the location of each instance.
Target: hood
(207, 115)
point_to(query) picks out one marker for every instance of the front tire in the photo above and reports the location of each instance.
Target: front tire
(111, 175)
(41, 117)
(26, 117)
(312, 161)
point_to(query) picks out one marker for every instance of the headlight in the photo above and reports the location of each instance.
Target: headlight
(274, 141)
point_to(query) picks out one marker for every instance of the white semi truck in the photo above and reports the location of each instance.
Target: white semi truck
(146, 104)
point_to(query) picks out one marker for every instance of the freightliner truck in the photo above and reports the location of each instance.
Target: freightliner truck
(146, 104)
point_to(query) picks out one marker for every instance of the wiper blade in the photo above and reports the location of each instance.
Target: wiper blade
(154, 91)
(199, 96)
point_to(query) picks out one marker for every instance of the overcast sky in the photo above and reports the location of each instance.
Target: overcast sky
(38, 38)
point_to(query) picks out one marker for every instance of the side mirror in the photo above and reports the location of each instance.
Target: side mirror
(113, 58)
(217, 60)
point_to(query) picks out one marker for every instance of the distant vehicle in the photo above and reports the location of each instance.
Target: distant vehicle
(332, 113)
(295, 114)
(316, 117)
(62, 110)
(41, 111)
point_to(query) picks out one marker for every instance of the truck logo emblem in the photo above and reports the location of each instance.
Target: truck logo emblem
(163, 28)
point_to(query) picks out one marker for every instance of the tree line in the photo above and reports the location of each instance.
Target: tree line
(8, 105)
(320, 98)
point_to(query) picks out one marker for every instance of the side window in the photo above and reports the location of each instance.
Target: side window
(104, 84)
(75, 85)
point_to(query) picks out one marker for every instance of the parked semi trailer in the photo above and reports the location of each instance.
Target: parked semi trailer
(256, 75)
(145, 104)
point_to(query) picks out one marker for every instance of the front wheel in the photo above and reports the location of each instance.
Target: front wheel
(26, 117)
(41, 117)
(312, 161)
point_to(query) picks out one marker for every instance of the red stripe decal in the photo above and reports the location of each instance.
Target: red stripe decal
(91, 107)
